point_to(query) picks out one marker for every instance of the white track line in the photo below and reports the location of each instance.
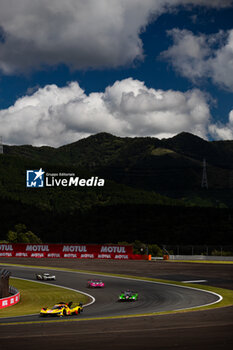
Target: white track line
(133, 279)
(163, 283)
(195, 281)
(55, 285)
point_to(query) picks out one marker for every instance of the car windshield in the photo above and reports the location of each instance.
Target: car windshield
(59, 307)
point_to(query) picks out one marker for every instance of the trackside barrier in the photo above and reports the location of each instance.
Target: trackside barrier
(73, 251)
(201, 257)
(139, 257)
(166, 257)
(11, 300)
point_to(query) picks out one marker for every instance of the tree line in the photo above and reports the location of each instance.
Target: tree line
(147, 223)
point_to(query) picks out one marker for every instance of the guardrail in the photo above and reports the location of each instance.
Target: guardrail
(201, 257)
(193, 257)
(192, 249)
(11, 300)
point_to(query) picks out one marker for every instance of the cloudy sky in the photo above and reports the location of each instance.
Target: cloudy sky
(72, 68)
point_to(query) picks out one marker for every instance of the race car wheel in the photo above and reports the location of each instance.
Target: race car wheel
(64, 313)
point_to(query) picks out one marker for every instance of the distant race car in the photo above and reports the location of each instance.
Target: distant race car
(95, 284)
(62, 309)
(45, 277)
(128, 296)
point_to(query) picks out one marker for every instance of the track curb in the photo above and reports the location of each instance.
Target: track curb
(206, 289)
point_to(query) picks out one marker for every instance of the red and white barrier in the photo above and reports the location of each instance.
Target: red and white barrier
(9, 301)
(75, 251)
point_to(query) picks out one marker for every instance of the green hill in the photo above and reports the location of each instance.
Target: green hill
(143, 175)
(170, 167)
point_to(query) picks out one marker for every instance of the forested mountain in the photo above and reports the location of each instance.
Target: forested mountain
(160, 180)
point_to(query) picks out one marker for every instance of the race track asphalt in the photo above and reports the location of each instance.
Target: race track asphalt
(190, 330)
(153, 297)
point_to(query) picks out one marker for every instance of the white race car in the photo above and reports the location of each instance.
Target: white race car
(45, 277)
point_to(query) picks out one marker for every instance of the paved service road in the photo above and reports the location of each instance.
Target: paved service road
(153, 297)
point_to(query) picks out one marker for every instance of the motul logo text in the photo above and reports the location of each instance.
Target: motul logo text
(75, 248)
(6, 248)
(37, 248)
(109, 249)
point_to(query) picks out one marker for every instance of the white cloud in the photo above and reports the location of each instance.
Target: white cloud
(55, 116)
(203, 56)
(81, 34)
(221, 131)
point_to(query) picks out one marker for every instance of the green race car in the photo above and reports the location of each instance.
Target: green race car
(128, 296)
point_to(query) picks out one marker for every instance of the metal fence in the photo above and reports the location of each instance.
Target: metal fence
(201, 257)
(4, 283)
(206, 250)
(13, 290)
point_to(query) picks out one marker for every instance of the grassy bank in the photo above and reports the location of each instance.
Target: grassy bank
(35, 295)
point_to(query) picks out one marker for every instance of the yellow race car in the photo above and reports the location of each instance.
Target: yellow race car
(62, 309)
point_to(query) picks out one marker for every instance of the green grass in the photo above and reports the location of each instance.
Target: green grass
(226, 294)
(35, 295)
(161, 151)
